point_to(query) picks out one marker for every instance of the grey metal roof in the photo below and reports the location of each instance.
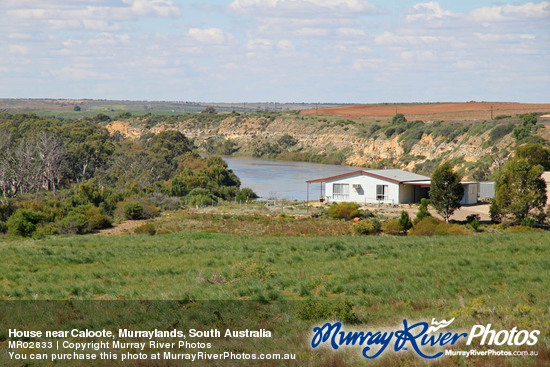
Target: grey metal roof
(398, 175)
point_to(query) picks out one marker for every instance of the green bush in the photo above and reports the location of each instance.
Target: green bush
(423, 210)
(84, 219)
(3, 227)
(392, 227)
(47, 230)
(73, 223)
(24, 222)
(199, 196)
(369, 226)
(528, 222)
(133, 211)
(147, 228)
(343, 210)
(449, 229)
(246, 194)
(405, 221)
(425, 227)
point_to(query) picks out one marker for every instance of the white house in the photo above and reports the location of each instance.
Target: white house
(391, 186)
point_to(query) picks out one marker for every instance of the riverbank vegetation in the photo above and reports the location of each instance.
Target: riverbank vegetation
(74, 177)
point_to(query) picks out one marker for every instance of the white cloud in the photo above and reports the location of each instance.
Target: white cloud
(285, 45)
(259, 44)
(291, 8)
(209, 35)
(511, 12)
(428, 12)
(408, 38)
(85, 14)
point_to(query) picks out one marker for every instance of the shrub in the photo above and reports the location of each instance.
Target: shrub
(199, 196)
(23, 222)
(369, 226)
(470, 218)
(74, 223)
(84, 219)
(425, 227)
(133, 211)
(150, 211)
(392, 227)
(475, 224)
(343, 210)
(3, 227)
(423, 210)
(398, 118)
(147, 228)
(47, 230)
(405, 221)
(528, 222)
(95, 219)
(246, 194)
(449, 229)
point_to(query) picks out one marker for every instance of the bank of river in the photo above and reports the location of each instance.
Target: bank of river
(282, 179)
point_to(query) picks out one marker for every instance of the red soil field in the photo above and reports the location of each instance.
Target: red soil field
(436, 111)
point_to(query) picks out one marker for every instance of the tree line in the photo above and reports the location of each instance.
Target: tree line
(72, 176)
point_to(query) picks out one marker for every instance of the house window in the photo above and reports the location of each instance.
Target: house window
(381, 192)
(340, 192)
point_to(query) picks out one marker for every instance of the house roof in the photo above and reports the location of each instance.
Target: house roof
(394, 175)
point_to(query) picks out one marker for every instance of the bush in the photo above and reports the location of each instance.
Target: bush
(423, 210)
(74, 223)
(528, 222)
(133, 211)
(398, 118)
(470, 218)
(199, 196)
(246, 194)
(84, 219)
(147, 228)
(392, 227)
(449, 229)
(369, 226)
(343, 210)
(3, 227)
(95, 219)
(24, 222)
(405, 221)
(425, 227)
(47, 230)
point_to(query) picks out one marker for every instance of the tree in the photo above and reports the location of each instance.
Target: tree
(405, 221)
(535, 154)
(524, 130)
(398, 118)
(446, 191)
(519, 191)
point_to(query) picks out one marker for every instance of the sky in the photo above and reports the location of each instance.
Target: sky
(327, 51)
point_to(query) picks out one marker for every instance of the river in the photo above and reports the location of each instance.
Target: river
(283, 179)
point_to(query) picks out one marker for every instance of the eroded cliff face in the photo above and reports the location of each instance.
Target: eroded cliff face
(317, 137)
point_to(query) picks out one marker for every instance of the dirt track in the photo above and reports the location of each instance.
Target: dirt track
(434, 111)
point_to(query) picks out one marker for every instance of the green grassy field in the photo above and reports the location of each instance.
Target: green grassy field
(501, 279)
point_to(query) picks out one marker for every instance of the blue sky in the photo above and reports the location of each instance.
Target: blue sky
(350, 51)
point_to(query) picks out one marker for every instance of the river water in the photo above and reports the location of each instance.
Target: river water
(283, 179)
